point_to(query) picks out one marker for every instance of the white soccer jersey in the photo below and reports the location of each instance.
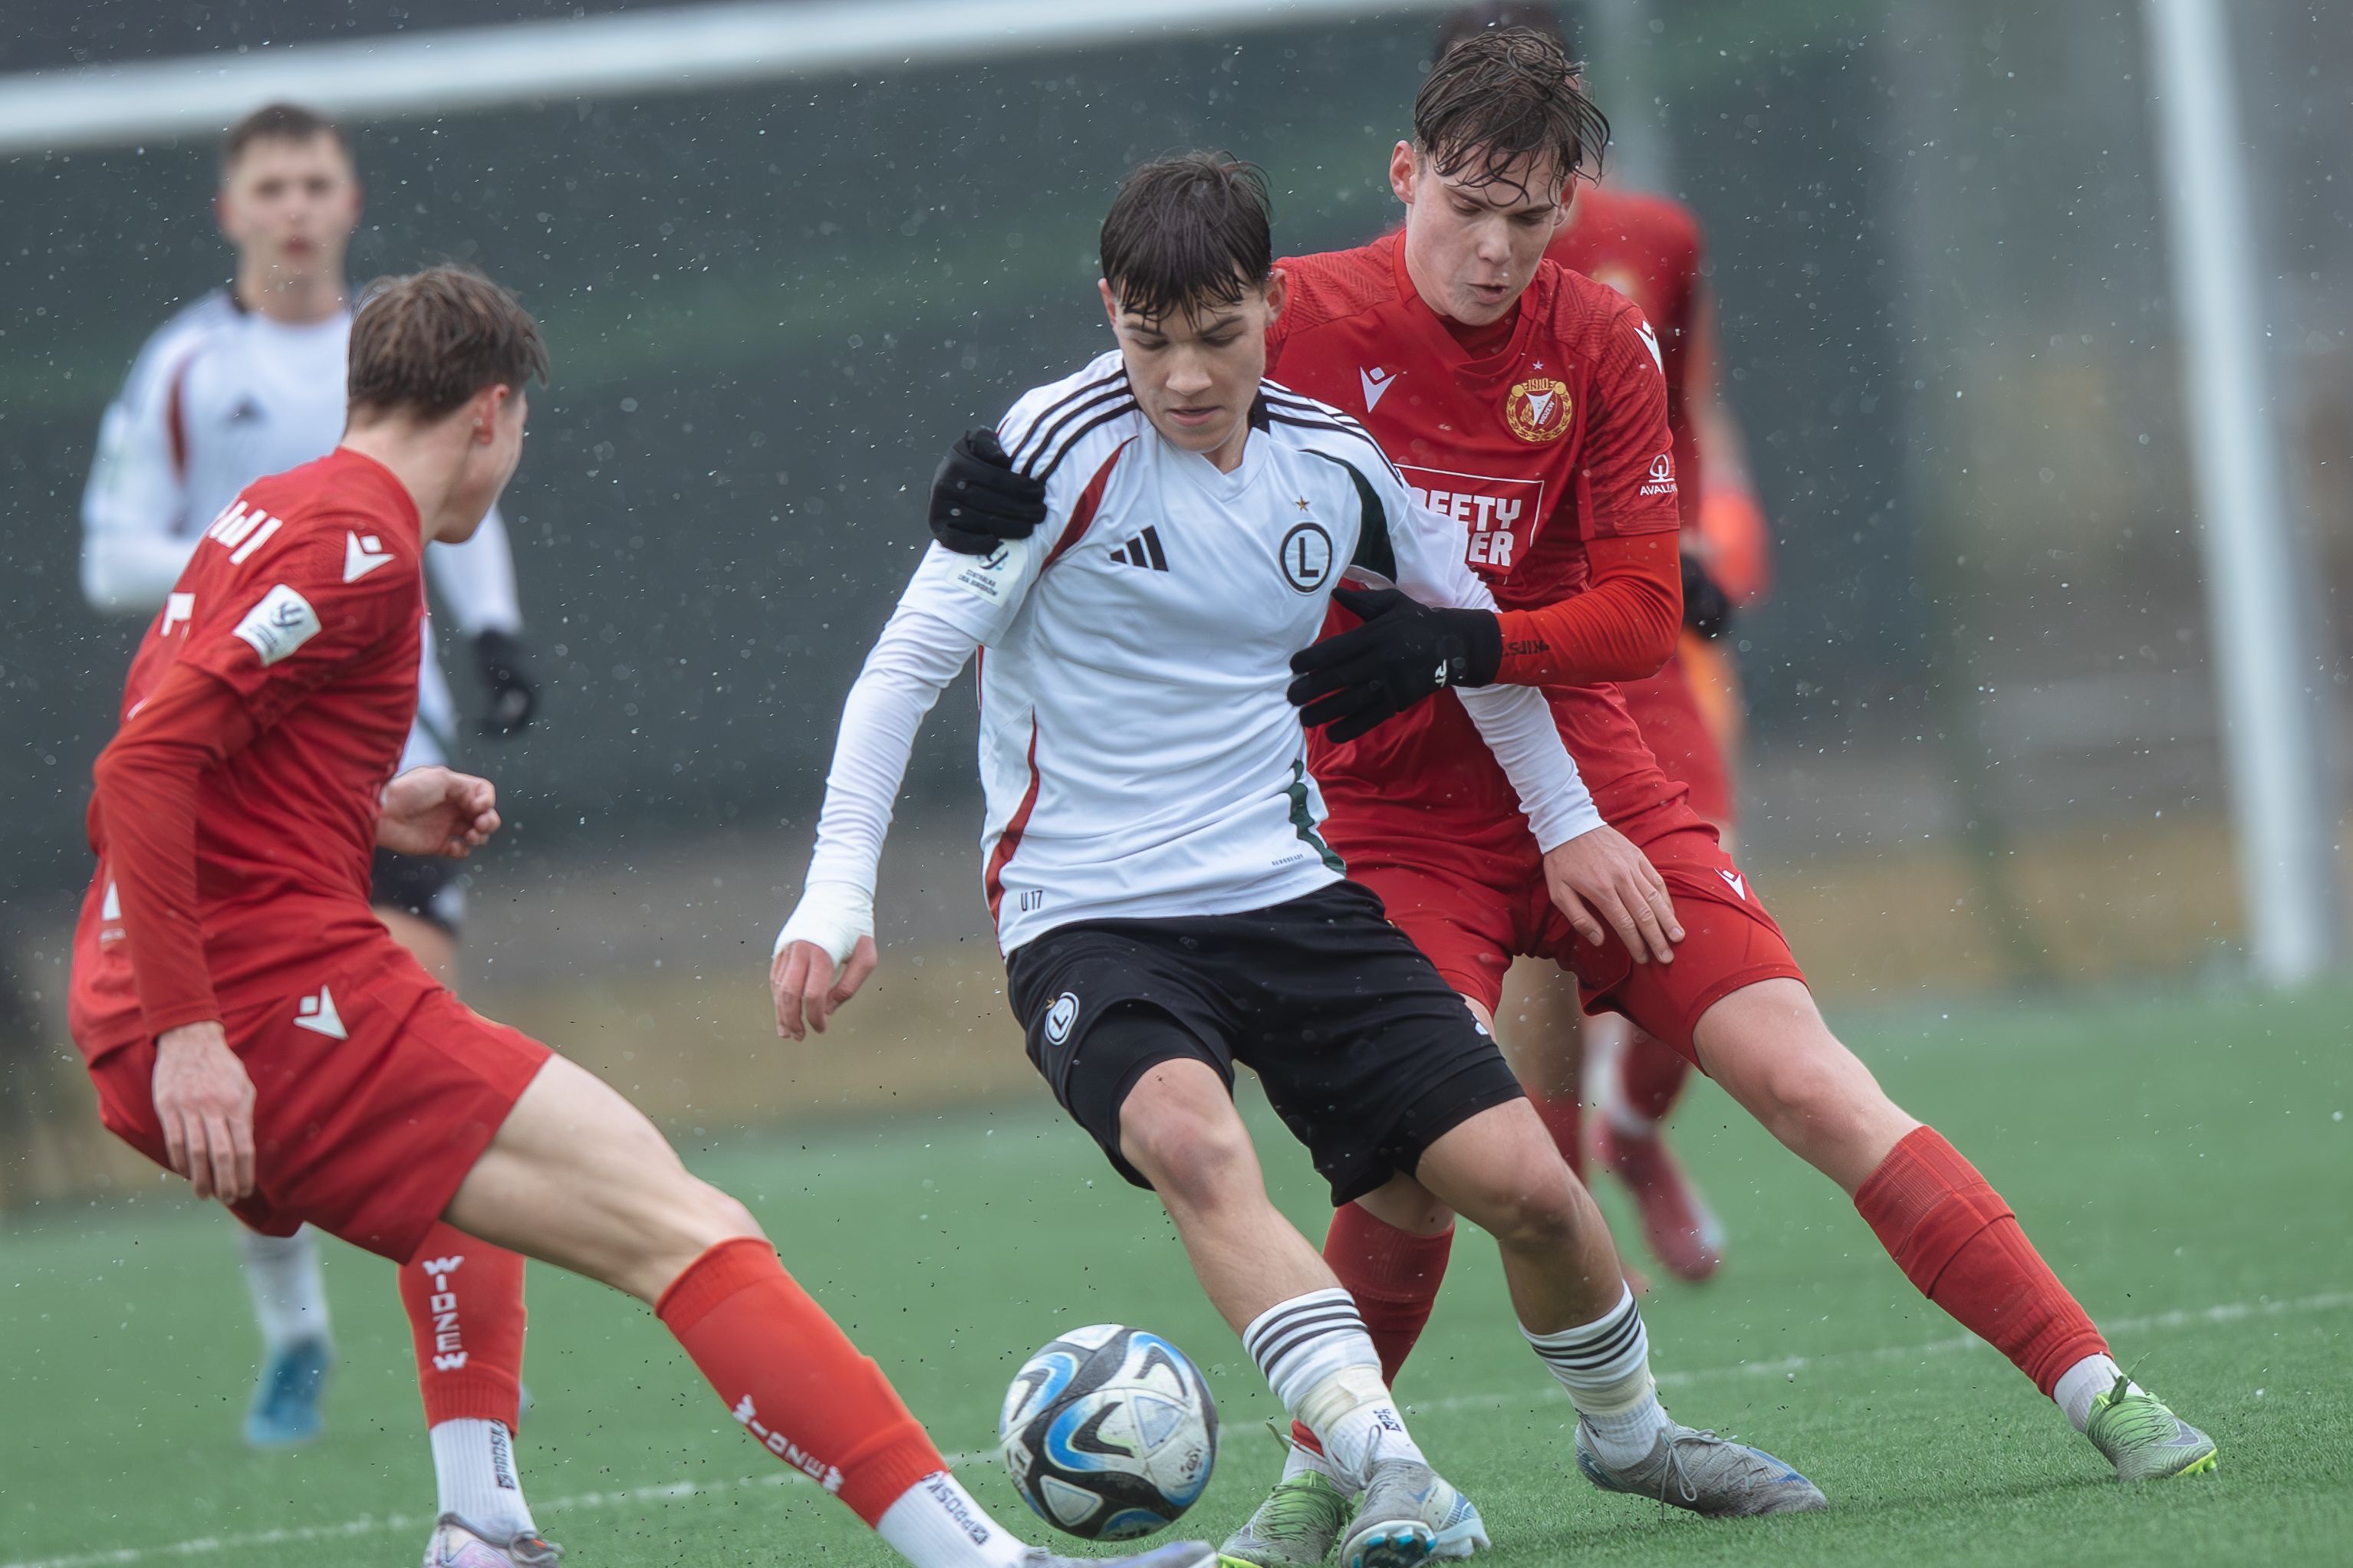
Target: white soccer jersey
(1137, 751)
(220, 396)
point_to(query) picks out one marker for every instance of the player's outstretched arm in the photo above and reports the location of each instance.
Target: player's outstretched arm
(826, 949)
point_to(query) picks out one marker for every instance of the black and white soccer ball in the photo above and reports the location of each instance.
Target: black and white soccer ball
(1109, 1433)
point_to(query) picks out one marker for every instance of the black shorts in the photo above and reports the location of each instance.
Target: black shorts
(425, 886)
(1367, 1054)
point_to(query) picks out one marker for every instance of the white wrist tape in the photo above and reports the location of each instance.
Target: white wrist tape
(831, 915)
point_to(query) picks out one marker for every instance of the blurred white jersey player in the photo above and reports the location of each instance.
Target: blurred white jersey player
(246, 382)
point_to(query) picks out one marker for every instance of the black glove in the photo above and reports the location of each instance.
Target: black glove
(506, 672)
(1708, 609)
(1404, 652)
(979, 501)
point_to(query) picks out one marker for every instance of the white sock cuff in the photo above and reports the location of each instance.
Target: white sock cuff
(2081, 1383)
(290, 1292)
(474, 1472)
(1301, 1343)
(935, 1523)
(1602, 1362)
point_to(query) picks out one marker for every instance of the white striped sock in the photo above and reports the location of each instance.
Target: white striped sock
(1320, 1362)
(1606, 1367)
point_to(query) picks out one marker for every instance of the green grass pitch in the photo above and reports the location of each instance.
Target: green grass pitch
(2186, 1163)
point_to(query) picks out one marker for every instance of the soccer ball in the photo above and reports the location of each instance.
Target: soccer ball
(1109, 1433)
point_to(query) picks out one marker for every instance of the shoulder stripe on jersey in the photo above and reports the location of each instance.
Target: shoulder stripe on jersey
(1299, 403)
(1041, 454)
(1069, 444)
(1083, 514)
(1029, 437)
(1283, 418)
(993, 882)
(1376, 551)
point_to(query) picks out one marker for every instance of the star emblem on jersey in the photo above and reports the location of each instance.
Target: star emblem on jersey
(1733, 880)
(1376, 380)
(362, 553)
(1537, 410)
(317, 1014)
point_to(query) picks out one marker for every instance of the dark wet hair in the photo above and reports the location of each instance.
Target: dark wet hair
(424, 343)
(1503, 95)
(277, 122)
(1186, 231)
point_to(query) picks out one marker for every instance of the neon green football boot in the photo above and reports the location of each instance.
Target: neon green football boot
(1294, 1527)
(2145, 1440)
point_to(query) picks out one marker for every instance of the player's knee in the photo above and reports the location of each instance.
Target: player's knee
(1538, 1214)
(1819, 1099)
(696, 1217)
(1194, 1158)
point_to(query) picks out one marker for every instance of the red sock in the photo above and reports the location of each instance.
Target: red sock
(1564, 1118)
(464, 1298)
(1650, 1075)
(1956, 1240)
(794, 1380)
(1394, 1275)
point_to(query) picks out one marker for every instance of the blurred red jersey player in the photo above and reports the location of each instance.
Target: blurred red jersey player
(250, 1024)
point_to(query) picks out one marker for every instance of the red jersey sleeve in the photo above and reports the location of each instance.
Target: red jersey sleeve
(332, 596)
(1622, 627)
(1627, 483)
(303, 612)
(145, 804)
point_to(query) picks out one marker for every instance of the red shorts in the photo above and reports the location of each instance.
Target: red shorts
(1668, 708)
(1472, 923)
(367, 1136)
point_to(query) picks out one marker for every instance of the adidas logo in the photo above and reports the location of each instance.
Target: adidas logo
(1144, 549)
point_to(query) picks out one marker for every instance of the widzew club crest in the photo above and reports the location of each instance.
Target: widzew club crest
(1538, 410)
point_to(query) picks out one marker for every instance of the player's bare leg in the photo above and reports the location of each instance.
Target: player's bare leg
(1945, 1226)
(1502, 1171)
(1180, 1129)
(1499, 1171)
(577, 1177)
(1636, 1080)
(429, 945)
(1538, 1031)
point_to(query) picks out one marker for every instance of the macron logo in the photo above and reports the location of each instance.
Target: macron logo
(1651, 341)
(1375, 381)
(1731, 880)
(362, 553)
(317, 1013)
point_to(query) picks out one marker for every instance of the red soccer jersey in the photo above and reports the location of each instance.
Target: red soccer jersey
(297, 623)
(1648, 248)
(1559, 437)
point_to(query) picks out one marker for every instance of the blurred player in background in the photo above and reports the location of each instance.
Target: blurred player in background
(248, 1022)
(1649, 249)
(250, 381)
(1529, 402)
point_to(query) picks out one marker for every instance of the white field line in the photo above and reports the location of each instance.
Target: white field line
(378, 1524)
